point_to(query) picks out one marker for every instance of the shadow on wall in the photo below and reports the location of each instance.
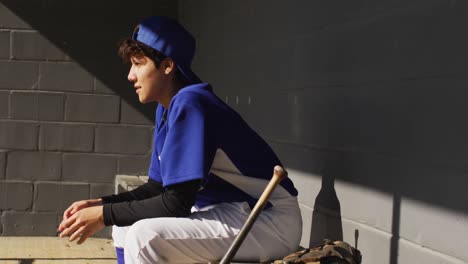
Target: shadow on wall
(88, 32)
(326, 216)
(380, 84)
(399, 133)
(400, 178)
(384, 90)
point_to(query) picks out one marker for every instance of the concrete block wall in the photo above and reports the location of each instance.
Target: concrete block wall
(66, 129)
(364, 102)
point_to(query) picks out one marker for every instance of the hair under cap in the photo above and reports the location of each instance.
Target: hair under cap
(167, 36)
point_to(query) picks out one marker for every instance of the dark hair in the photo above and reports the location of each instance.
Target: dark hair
(131, 48)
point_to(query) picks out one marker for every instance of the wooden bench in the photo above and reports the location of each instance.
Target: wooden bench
(42, 250)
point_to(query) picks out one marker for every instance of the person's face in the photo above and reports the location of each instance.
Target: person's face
(147, 79)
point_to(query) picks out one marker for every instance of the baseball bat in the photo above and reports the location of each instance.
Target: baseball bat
(278, 175)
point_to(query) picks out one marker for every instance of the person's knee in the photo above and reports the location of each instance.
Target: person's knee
(141, 233)
(118, 235)
(135, 234)
(140, 241)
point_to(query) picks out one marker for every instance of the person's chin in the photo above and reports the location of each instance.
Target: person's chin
(143, 99)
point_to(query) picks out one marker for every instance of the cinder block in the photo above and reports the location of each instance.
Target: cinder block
(30, 45)
(16, 196)
(124, 183)
(66, 137)
(365, 205)
(24, 105)
(106, 232)
(65, 76)
(36, 106)
(412, 253)
(16, 135)
(29, 165)
(131, 115)
(4, 44)
(325, 225)
(51, 106)
(374, 244)
(307, 184)
(89, 168)
(19, 75)
(29, 224)
(11, 20)
(4, 99)
(3, 155)
(123, 139)
(421, 223)
(102, 88)
(58, 196)
(100, 190)
(134, 165)
(92, 108)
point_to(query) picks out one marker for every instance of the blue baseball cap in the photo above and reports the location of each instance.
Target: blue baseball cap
(167, 36)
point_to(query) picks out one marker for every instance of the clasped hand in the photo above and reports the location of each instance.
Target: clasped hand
(81, 220)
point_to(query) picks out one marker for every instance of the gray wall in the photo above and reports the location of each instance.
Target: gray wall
(68, 122)
(364, 101)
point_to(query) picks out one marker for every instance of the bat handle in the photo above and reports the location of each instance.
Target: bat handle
(278, 175)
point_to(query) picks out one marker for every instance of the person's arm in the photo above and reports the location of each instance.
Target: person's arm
(147, 190)
(175, 201)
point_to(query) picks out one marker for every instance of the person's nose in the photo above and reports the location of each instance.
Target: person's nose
(131, 75)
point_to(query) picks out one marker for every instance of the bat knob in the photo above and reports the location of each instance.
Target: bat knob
(279, 172)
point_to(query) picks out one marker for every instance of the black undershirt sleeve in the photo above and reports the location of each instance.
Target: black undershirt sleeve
(174, 201)
(147, 190)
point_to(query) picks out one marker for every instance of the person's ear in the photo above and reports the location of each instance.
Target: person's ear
(169, 66)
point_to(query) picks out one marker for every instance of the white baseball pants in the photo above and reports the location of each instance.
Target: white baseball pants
(206, 235)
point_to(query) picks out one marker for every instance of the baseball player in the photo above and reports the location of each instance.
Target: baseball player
(208, 168)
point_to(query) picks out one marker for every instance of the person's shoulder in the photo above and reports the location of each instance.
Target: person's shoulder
(195, 94)
(199, 89)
